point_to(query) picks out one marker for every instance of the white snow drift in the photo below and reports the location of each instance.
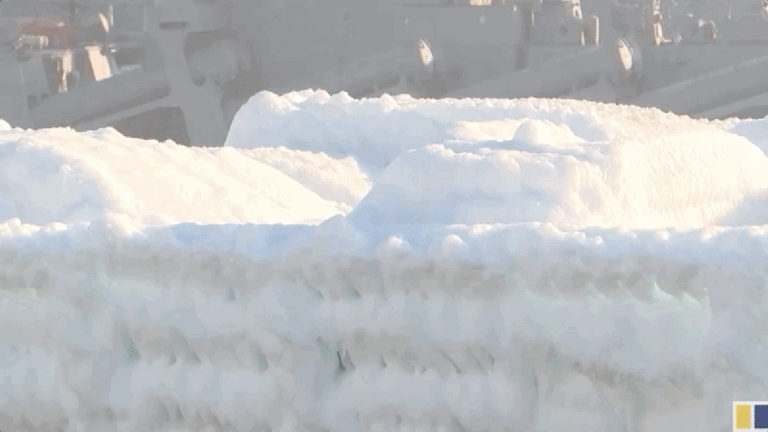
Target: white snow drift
(571, 163)
(59, 175)
(532, 265)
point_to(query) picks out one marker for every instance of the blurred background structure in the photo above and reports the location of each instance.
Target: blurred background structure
(180, 69)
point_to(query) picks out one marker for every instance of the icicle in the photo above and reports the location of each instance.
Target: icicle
(230, 294)
(376, 279)
(658, 294)
(190, 355)
(341, 368)
(325, 350)
(261, 362)
(485, 357)
(594, 294)
(643, 289)
(476, 360)
(613, 417)
(454, 425)
(531, 384)
(352, 292)
(638, 407)
(101, 276)
(178, 416)
(450, 360)
(312, 290)
(130, 352)
(516, 287)
(163, 414)
(347, 361)
(409, 360)
(689, 301)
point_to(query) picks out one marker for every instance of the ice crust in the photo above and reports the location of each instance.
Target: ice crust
(660, 327)
(477, 286)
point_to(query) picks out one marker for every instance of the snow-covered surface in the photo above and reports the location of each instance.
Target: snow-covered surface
(570, 163)
(63, 176)
(339, 180)
(754, 130)
(529, 265)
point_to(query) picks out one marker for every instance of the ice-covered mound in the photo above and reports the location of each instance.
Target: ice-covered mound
(341, 181)
(376, 131)
(373, 131)
(754, 130)
(668, 172)
(566, 162)
(59, 175)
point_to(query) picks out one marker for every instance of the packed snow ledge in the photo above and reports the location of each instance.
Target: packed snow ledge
(387, 264)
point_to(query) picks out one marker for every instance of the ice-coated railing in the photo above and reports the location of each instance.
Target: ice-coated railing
(303, 328)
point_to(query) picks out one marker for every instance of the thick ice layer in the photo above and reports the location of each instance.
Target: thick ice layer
(488, 324)
(377, 321)
(59, 175)
(570, 163)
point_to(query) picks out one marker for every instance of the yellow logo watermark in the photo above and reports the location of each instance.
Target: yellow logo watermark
(750, 416)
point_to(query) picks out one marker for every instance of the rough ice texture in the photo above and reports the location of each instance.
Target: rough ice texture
(472, 325)
(531, 265)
